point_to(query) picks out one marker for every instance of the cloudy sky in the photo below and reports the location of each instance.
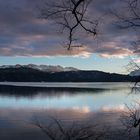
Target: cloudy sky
(25, 38)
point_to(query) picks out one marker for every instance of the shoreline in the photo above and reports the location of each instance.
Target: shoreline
(77, 85)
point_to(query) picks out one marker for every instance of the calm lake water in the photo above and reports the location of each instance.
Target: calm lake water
(21, 104)
(86, 97)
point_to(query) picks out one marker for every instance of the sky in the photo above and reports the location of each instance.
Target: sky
(26, 38)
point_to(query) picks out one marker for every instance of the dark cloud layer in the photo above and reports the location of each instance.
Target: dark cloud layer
(22, 33)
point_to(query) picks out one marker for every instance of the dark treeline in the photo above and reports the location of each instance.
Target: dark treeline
(32, 75)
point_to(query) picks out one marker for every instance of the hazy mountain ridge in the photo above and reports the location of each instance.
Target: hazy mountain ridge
(43, 73)
(45, 68)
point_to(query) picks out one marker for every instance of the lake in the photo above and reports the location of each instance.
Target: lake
(23, 103)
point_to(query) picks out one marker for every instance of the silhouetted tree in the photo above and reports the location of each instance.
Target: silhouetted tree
(72, 16)
(128, 18)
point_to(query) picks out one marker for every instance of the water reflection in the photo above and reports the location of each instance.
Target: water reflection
(19, 106)
(79, 99)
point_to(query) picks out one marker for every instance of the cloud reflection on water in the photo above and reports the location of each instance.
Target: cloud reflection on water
(20, 106)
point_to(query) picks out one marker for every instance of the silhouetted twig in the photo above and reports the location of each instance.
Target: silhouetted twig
(57, 129)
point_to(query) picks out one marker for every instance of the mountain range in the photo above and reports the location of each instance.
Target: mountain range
(49, 73)
(44, 68)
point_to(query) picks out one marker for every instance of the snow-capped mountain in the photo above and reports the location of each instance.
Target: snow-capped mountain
(135, 73)
(45, 68)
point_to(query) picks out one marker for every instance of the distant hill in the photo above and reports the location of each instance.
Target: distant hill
(135, 73)
(43, 73)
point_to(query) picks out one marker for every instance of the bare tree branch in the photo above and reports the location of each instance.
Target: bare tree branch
(130, 18)
(131, 119)
(57, 129)
(72, 16)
